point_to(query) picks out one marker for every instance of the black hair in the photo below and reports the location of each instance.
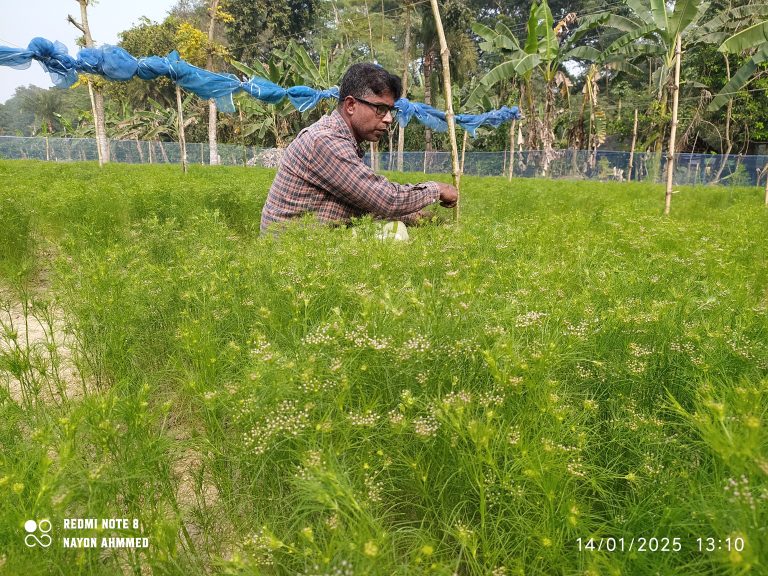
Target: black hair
(364, 78)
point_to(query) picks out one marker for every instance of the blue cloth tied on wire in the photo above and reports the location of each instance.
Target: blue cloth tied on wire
(204, 83)
(427, 115)
(152, 67)
(305, 98)
(53, 56)
(109, 61)
(435, 119)
(494, 118)
(116, 64)
(265, 90)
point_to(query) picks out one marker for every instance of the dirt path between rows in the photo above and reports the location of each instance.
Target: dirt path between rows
(36, 359)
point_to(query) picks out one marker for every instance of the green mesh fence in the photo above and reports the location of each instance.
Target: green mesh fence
(734, 170)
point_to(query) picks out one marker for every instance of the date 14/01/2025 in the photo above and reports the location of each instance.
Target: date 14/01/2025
(660, 544)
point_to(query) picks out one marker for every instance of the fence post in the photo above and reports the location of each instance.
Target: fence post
(766, 186)
(632, 150)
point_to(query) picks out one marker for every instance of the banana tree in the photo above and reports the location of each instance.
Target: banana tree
(325, 74)
(260, 118)
(539, 53)
(651, 33)
(597, 120)
(742, 29)
(541, 58)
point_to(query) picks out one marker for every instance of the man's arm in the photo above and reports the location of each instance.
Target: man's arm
(335, 167)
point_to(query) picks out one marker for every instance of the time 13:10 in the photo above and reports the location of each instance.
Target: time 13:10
(727, 544)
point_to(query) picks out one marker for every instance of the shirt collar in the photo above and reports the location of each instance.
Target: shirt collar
(344, 130)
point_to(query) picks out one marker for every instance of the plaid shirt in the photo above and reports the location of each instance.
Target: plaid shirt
(322, 172)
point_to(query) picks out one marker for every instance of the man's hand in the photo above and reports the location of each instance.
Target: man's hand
(449, 196)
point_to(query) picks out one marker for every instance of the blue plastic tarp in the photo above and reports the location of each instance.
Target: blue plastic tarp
(115, 63)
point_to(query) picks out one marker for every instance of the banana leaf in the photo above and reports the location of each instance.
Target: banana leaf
(751, 37)
(258, 70)
(622, 65)
(548, 45)
(739, 79)
(685, 12)
(604, 20)
(619, 46)
(642, 10)
(502, 29)
(734, 18)
(504, 71)
(584, 53)
(488, 34)
(659, 13)
(526, 64)
(532, 40)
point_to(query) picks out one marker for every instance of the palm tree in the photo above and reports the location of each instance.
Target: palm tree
(44, 104)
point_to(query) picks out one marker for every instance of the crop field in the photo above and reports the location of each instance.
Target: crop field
(566, 382)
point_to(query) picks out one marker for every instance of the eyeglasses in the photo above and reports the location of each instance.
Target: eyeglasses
(381, 109)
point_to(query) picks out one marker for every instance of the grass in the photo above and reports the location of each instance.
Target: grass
(564, 365)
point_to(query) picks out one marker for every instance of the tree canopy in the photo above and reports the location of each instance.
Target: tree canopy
(587, 66)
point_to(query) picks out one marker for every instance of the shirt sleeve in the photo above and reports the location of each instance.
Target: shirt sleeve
(336, 168)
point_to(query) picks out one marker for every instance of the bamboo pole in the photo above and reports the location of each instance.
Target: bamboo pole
(673, 132)
(374, 149)
(406, 57)
(449, 117)
(182, 139)
(512, 148)
(463, 151)
(632, 150)
(504, 162)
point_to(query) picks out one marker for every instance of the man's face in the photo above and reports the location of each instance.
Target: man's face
(364, 118)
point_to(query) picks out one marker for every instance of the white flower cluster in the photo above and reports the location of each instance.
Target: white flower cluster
(638, 350)
(373, 488)
(321, 335)
(491, 398)
(315, 385)
(426, 426)
(529, 319)
(359, 338)
(287, 419)
(261, 546)
(580, 330)
(262, 349)
(366, 419)
(460, 398)
(739, 490)
(418, 344)
(396, 417)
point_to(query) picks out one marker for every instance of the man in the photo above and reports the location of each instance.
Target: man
(322, 171)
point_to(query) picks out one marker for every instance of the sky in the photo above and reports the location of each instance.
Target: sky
(22, 20)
